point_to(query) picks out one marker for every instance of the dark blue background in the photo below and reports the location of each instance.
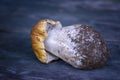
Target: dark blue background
(17, 17)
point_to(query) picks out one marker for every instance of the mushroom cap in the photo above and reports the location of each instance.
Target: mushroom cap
(38, 35)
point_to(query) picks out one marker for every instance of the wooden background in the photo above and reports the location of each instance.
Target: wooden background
(17, 17)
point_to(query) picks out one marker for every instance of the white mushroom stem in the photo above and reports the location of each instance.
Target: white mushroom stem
(78, 45)
(59, 44)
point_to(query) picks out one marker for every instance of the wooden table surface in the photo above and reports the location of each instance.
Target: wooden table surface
(17, 17)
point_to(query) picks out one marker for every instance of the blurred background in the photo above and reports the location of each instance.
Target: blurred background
(17, 17)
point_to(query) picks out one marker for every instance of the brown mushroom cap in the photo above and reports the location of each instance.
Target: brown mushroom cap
(38, 35)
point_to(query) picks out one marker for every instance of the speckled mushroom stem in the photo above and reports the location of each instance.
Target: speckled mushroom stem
(79, 45)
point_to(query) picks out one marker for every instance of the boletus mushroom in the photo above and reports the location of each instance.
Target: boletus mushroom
(78, 45)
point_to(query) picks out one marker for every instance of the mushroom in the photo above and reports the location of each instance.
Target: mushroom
(79, 45)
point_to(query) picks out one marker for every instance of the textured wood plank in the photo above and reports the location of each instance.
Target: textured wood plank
(17, 60)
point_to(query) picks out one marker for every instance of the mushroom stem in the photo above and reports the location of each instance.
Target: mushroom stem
(78, 45)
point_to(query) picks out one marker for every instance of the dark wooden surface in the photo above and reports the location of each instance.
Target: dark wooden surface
(17, 17)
